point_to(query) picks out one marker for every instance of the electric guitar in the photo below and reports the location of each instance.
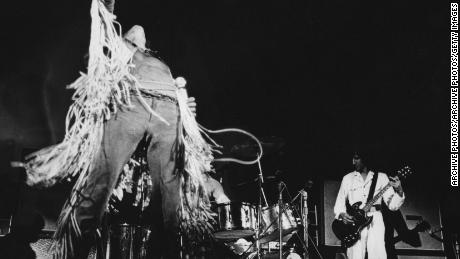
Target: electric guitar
(349, 234)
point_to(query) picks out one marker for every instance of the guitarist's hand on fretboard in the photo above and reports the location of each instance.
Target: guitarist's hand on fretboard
(396, 184)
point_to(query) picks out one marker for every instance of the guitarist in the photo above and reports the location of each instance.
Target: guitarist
(355, 187)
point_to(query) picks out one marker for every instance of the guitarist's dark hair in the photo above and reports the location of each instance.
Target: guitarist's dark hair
(367, 157)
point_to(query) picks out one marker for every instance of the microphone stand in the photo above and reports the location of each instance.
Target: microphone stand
(308, 237)
(304, 212)
(280, 220)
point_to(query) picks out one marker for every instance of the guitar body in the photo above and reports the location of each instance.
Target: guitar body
(347, 233)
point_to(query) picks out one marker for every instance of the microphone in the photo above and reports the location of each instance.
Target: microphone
(280, 186)
(280, 189)
(307, 187)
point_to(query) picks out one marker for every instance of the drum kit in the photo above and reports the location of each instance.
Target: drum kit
(237, 225)
(248, 230)
(238, 221)
(260, 230)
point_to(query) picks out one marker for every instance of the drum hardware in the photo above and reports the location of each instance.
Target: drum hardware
(259, 208)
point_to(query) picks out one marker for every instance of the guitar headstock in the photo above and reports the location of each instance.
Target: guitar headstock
(404, 172)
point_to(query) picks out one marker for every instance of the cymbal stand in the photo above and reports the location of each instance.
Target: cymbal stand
(261, 192)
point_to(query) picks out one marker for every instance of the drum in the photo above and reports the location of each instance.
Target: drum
(129, 241)
(235, 220)
(270, 224)
(241, 246)
(123, 243)
(142, 236)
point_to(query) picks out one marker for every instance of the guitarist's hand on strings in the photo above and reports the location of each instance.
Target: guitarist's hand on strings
(346, 218)
(396, 184)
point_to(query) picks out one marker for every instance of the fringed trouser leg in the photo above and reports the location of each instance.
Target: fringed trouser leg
(122, 133)
(161, 158)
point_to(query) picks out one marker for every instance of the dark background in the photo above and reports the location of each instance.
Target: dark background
(325, 76)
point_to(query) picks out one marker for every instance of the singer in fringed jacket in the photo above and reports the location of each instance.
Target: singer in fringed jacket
(126, 93)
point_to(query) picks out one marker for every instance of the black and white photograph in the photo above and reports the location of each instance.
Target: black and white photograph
(229, 129)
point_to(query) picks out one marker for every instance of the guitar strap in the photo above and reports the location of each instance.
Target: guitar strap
(372, 189)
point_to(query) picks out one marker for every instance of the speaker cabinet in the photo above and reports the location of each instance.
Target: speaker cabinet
(330, 191)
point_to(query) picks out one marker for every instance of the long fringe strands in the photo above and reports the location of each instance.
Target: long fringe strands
(106, 85)
(196, 218)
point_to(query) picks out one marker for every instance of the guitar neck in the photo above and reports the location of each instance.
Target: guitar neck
(368, 205)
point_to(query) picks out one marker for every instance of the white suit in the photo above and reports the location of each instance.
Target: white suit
(356, 189)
